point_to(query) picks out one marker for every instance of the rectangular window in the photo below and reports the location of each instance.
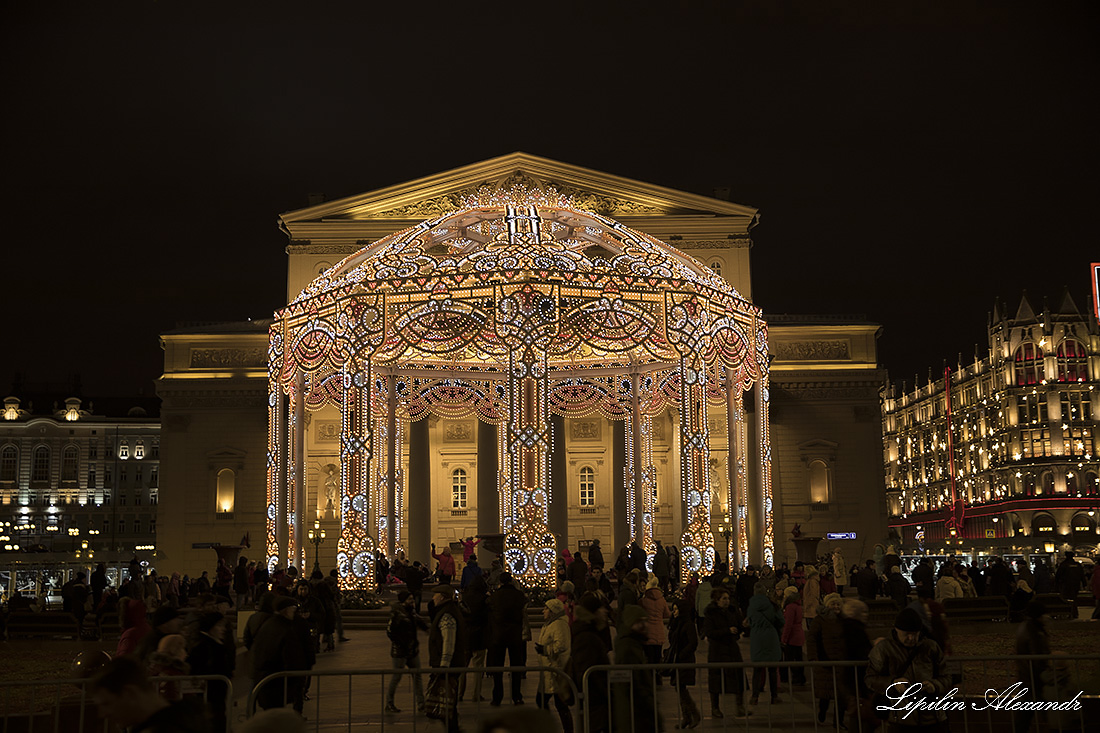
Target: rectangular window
(154, 475)
(124, 450)
(91, 477)
(93, 451)
(153, 526)
(108, 476)
(588, 487)
(122, 499)
(139, 451)
(122, 475)
(137, 499)
(156, 450)
(152, 498)
(106, 526)
(122, 526)
(137, 475)
(137, 526)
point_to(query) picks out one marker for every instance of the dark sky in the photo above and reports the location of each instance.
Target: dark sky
(911, 161)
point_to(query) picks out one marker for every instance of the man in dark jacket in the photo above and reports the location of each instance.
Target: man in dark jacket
(577, 572)
(1068, 579)
(722, 628)
(662, 568)
(281, 645)
(507, 606)
(1000, 579)
(898, 587)
(924, 578)
(404, 648)
(866, 582)
(446, 648)
(595, 555)
(634, 703)
(637, 559)
(414, 582)
(475, 606)
(746, 582)
(99, 582)
(210, 655)
(898, 664)
(589, 648)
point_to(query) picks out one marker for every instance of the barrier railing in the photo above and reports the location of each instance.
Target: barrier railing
(333, 713)
(67, 705)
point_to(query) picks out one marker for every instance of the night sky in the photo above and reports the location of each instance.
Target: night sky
(910, 163)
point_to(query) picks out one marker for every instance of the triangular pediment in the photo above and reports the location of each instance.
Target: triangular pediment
(591, 190)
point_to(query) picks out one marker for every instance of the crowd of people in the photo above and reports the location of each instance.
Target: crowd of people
(636, 612)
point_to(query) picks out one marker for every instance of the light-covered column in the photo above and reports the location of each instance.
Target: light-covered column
(296, 479)
(697, 541)
(640, 456)
(276, 520)
(392, 454)
(355, 548)
(734, 476)
(763, 453)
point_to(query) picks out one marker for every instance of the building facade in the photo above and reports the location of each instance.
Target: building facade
(1000, 455)
(73, 479)
(824, 398)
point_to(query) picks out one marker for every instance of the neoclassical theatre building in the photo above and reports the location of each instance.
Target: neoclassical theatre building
(524, 348)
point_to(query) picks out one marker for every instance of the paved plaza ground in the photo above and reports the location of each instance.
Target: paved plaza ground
(355, 702)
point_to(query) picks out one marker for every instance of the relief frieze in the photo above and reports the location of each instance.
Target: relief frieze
(228, 358)
(812, 350)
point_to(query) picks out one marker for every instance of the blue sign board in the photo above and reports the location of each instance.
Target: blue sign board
(840, 535)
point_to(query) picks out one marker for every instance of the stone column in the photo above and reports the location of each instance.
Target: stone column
(488, 487)
(620, 528)
(421, 461)
(559, 483)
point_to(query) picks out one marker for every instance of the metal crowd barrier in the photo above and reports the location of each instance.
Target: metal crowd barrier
(335, 713)
(66, 705)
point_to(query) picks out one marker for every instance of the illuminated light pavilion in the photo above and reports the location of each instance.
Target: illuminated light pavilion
(517, 308)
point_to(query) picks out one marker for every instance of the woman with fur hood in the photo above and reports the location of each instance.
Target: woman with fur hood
(554, 649)
(811, 594)
(656, 614)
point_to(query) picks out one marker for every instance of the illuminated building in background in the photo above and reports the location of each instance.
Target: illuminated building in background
(1001, 454)
(71, 475)
(259, 437)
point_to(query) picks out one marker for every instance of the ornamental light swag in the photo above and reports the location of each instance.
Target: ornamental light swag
(511, 309)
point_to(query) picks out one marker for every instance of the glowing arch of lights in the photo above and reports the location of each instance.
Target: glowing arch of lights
(515, 307)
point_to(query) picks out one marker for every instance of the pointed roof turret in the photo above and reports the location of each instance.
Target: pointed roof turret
(1025, 312)
(1066, 304)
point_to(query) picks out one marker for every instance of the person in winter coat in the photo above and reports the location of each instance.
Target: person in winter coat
(135, 626)
(1000, 579)
(811, 594)
(904, 659)
(475, 604)
(209, 655)
(507, 606)
(595, 555)
(282, 644)
(965, 582)
(1019, 600)
(897, 587)
(553, 649)
(170, 660)
(793, 637)
(1032, 637)
(240, 582)
(702, 600)
(1044, 578)
(866, 582)
(825, 642)
(662, 568)
(840, 571)
(923, 577)
(948, 586)
(722, 628)
(629, 592)
(857, 645)
(446, 648)
(311, 611)
(257, 619)
(404, 648)
(683, 640)
(322, 591)
(589, 647)
(603, 583)
(469, 572)
(577, 570)
(634, 703)
(765, 623)
(446, 567)
(656, 614)
(1068, 580)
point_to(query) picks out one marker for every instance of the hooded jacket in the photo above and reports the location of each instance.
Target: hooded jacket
(555, 641)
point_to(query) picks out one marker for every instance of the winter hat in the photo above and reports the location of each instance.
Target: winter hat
(555, 605)
(283, 602)
(811, 571)
(789, 592)
(568, 588)
(163, 615)
(830, 598)
(173, 645)
(651, 583)
(908, 620)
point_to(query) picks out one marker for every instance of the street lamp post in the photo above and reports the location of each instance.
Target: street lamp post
(316, 536)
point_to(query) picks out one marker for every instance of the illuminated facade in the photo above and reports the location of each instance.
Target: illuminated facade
(69, 477)
(514, 374)
(1002, 453)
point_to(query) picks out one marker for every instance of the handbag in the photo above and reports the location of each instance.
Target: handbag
(440, 697)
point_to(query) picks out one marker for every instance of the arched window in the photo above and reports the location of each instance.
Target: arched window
(1072, 361)
(69, 464)
(458, 488)
(1029, 364)
(1092, 484)
(139, 450)
(40, 469)
(227, 489)
(716, 267)
(124, 450)
(588, 486)
(1083, 524)
(819, 482)
(9, 463)
(1048, 483)
(1043, 524)
(1071, 482)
